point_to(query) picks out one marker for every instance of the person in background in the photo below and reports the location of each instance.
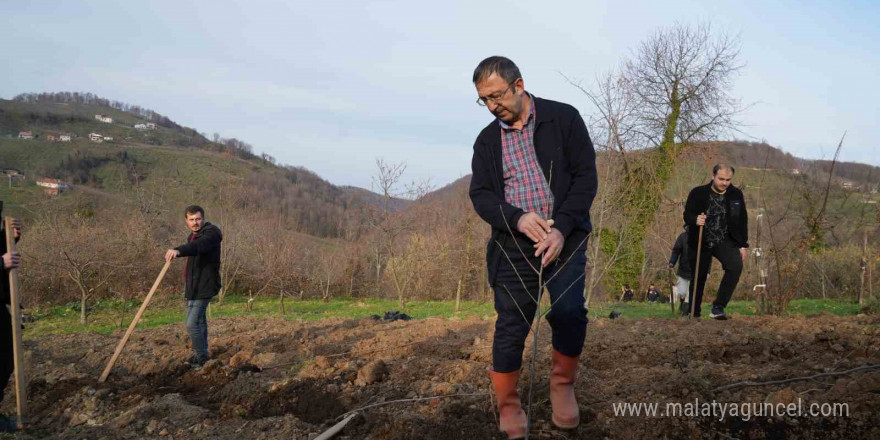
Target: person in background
(685, 272)
(652, 295)
(720, 209)
(202, 275)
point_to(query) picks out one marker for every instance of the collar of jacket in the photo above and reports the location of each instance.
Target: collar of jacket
(202, 229)
(540, 109)
(730, 189)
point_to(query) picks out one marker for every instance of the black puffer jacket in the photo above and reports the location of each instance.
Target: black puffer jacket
(679, 255)
(737, 216)
(203, 262)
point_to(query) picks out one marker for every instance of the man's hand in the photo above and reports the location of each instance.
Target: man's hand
(16, 228)
(743, 252)
(533, 226)
(551, 247)
(171, 254)
(11, 260)
(670, 265)
(701, 219)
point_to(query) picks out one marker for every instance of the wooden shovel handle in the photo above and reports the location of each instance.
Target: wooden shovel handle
(134, 323)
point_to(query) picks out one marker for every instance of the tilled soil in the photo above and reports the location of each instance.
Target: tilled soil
(271, 378)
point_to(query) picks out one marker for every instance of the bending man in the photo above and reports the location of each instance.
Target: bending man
(534, 162)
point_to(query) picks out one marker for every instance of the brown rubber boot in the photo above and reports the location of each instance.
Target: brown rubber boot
(512, 417)
(566, 414)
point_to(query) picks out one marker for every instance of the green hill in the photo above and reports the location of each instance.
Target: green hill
(176, 162)
(289, 230)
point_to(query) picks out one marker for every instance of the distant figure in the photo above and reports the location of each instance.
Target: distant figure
(685, 273)
(721, 209)
(627, 293)
(653, 294)
(202, 275)
(11, 260)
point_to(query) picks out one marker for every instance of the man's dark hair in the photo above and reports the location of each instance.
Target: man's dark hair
(723, 166)
(192, 209)
(504, 67)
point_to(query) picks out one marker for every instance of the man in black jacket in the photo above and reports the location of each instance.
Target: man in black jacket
(202, 275)
(534, 180)
(721, 209)
(11, 260)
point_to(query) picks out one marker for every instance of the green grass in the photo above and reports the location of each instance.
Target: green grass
(107, 316)
(640, 310)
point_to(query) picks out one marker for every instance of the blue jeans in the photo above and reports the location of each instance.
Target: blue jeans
(516, 308)
(197, 325)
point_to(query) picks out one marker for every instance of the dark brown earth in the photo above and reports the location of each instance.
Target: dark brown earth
(283, 379)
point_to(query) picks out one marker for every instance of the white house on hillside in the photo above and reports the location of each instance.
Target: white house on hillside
(108, 138)
(25, 135)
(53, 186)
(104, 118)
(147, 126)
(95, 137)
(64, 138)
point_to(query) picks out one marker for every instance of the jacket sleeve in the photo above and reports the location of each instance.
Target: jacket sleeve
(691, 210)
(584, 181)
(491, 208)
(745, 225)
(203, 244)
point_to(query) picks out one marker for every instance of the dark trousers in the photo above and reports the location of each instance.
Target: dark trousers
(197, 325)
(516, 305)
(728, 254)
(7, 363)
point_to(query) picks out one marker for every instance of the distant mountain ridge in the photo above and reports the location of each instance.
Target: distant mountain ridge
(316, 206)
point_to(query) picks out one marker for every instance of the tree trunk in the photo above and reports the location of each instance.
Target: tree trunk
(864, 267)
(458, 297)
(82, 310)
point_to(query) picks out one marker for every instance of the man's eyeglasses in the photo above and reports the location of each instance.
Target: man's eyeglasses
(482, 102)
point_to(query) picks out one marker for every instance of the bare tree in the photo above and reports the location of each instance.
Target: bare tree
(85, 251)
(387, 182)
(406, 267)
(673, 90)
(326, 271)
(790, 251)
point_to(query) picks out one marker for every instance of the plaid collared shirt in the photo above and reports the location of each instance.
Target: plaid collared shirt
(524, 184)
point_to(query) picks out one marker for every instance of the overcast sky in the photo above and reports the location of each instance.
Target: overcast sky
(333, 85)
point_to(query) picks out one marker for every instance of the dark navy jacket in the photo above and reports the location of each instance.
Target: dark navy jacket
(561, 143)
(203, 262)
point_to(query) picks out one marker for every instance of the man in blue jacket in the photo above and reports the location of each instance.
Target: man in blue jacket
(534, 180)
(202, 275)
